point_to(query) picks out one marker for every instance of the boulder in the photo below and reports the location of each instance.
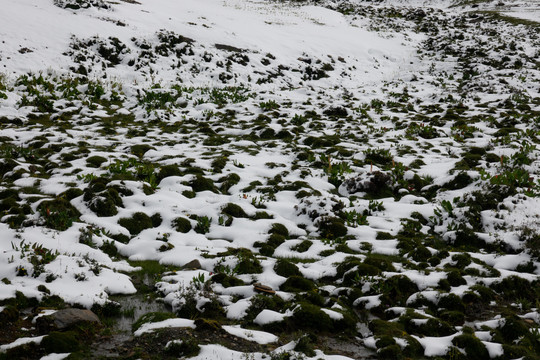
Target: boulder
(65, 319)
(192, 265)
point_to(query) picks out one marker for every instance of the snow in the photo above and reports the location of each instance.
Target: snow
(169, 323)
(55, 356)
(494, 349)
(260, 337)
(43, 313)
(238, 310)
(334, 315)
(21, 341)
(436, 346)
(372, 61)
(269, 316)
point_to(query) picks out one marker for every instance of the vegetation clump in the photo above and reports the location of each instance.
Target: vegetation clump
(181, 224)
(138, 222)
(332, 227)
(58, 214)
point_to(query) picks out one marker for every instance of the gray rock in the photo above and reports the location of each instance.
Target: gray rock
(66, 318)
(193, 264)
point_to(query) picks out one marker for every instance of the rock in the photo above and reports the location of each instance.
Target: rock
(66, 318)
(263, 288)
(193, 264)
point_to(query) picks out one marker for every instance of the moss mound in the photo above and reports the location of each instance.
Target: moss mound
(61, 342)
(168, 170)
(181, 224)
(311, 317)
(59, 214)
(297, 283)
(286, 268)
(234, 211)
(137, 223)
(332, 227)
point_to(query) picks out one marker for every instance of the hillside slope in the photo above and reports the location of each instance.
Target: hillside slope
(269, 179)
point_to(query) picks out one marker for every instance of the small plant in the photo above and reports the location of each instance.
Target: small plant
(203, 224)
(375, 206)
(378, 156)
(354, 219)
(21, 271)
(269, 105)
(198, 281)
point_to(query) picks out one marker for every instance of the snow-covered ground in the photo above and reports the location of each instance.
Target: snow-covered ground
(372, 164)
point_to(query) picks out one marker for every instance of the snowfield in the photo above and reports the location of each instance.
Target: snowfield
(270, 179)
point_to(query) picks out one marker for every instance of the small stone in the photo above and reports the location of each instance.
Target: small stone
(263, 288)
(193, 265)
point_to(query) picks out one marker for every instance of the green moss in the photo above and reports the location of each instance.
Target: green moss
(168, 170)
(95, 161)
(200, 183)
(455, 318)
(59, 214)
(352, 267)
(137, 223)
(305, 345)
(379, 261)
(140, 149)
(181, 224)
(384, 341)
(156, 219)
(473, 347)
(185, 348)
(311, 317)
(286, 268)
(227, 280)
(71, 193)
(516, 352)
(275, 240)
(101, 199)
(262, 215)
(478, 295)
(9, 314)
(513, 329)
(381, 235)
(332, 227)
(397, 289)
(431, 327)
(451, 302)
(413, 349)
(109, 248)
(514, 287)
(53, 301)
(108, 309)
(261, 302)
(302, 246)
(234, 211)
(219, 163)
(297, 283)
(279, 229)
(454, 278)
(420, 253)
(390, 352)
(61, 342)
(460, 181)
(265, 249)
(248, 264)
(390, 328)
(228, 181)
